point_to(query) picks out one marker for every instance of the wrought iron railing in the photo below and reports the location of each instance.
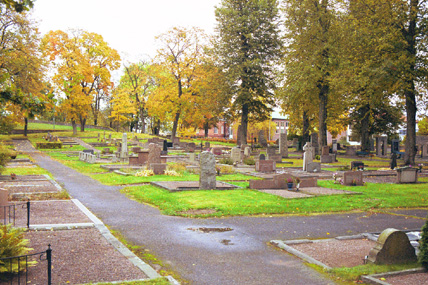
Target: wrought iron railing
(21, 277)
(9, 213)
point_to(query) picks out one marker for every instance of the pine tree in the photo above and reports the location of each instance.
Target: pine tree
(248, 46)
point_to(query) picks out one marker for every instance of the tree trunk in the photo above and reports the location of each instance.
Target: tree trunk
(244, 123)
(322, 127)
(82, 124)
(25, 126)
(206, 128)
(410, 92)
(177, 114)
(73, 124)
(305, 130)
(365, 134)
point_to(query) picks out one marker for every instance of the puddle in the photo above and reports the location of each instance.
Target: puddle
(227, 242)
(210, 230)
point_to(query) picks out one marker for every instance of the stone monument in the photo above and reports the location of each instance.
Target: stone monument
(392, 247)
(283, 144)
(208, 173)
(308, 155)
(4, 201)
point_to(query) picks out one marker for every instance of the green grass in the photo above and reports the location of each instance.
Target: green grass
(355, 273)
(26, 171)
(373, 197)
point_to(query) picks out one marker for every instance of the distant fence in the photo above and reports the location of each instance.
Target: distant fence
(23, 263)
(9, 213)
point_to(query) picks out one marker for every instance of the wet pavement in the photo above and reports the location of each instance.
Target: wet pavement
(238, 256)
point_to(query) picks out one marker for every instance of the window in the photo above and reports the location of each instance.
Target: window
(282, 124)
(286, 124)
(215, 130)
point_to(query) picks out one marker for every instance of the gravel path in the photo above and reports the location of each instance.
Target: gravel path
(240, 256)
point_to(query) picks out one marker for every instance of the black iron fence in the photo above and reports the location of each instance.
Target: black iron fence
(18, 267)
(8, 213)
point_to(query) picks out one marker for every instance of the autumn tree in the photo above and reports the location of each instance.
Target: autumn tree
(18, 5)
(248, 47)
(138, 82)
(82, 62)
(21, 67)
(122, 107)
(175, 68)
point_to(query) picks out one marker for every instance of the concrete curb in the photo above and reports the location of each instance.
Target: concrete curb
(374, 278)
(305, 257)
(48, 227)
(147, 269)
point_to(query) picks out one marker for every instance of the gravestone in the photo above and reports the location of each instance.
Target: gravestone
(104, 136)
(192, 157)
(351, 150)
(381, 144)
(135, 149)
(395, 146)
(270, 150)
(247, 151)
(265, 166)
(91, 151)
(191, 147)
(329, 158)
(217, 150)
(207, 145)
(154, 154)
(4, 201)
(308, 155)
(275, 157)
(158, 168)
(208, 172)
(124, 147)
(165, 147)
(262, 139)
(393, 162)
(353, 178)
(424, 151)
(235, 154)
(313, 167)
(325, 150)
(283, 144)
(392, 247)
(99, 136)
(109, 139)
(407, 175)
(334, 146)
(262, 157)
(357, 165)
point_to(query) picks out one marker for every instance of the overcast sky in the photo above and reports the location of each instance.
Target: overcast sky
(129, 26)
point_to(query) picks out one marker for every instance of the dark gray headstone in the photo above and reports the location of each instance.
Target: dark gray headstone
(262, 157)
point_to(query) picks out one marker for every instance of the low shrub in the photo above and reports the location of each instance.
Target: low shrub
(4, 157)
(171, 173)
(145, 173)
(224, 169)
(226, 160)
(178, 167)
(12, 243)
(49, 145)
(249, 161)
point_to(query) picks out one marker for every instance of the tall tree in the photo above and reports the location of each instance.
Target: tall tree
(82, 62)
(310, 62)
(248, 47)
(176, 67)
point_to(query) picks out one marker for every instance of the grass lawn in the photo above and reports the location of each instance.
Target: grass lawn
(373, 197)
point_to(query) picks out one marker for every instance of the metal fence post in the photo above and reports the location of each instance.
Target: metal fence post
(28, 214)
(49, 258)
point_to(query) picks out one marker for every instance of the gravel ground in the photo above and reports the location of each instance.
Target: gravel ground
(50, 212)
(80, 256)
(338, 253)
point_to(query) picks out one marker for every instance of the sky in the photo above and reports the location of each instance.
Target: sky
(129, 26)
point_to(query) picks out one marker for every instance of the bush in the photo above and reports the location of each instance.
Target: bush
(177, 167)
(249, 161)
(226, 160)
(225, 169)
(12, 243)
(4, 157)
(423, 247)
(49, 145)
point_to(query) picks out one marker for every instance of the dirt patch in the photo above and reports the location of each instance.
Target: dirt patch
(79, 256)
(338, 253)
(198, 212)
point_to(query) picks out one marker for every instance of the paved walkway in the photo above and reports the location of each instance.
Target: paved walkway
(240, 256)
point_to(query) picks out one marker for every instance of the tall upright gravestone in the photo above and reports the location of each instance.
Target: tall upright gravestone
(124, 146)
(207, 178)
(283, 144)
(4, 200)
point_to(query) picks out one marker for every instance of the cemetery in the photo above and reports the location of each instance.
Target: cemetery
(147, 166)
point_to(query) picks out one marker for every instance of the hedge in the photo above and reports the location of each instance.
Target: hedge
(49, 145)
